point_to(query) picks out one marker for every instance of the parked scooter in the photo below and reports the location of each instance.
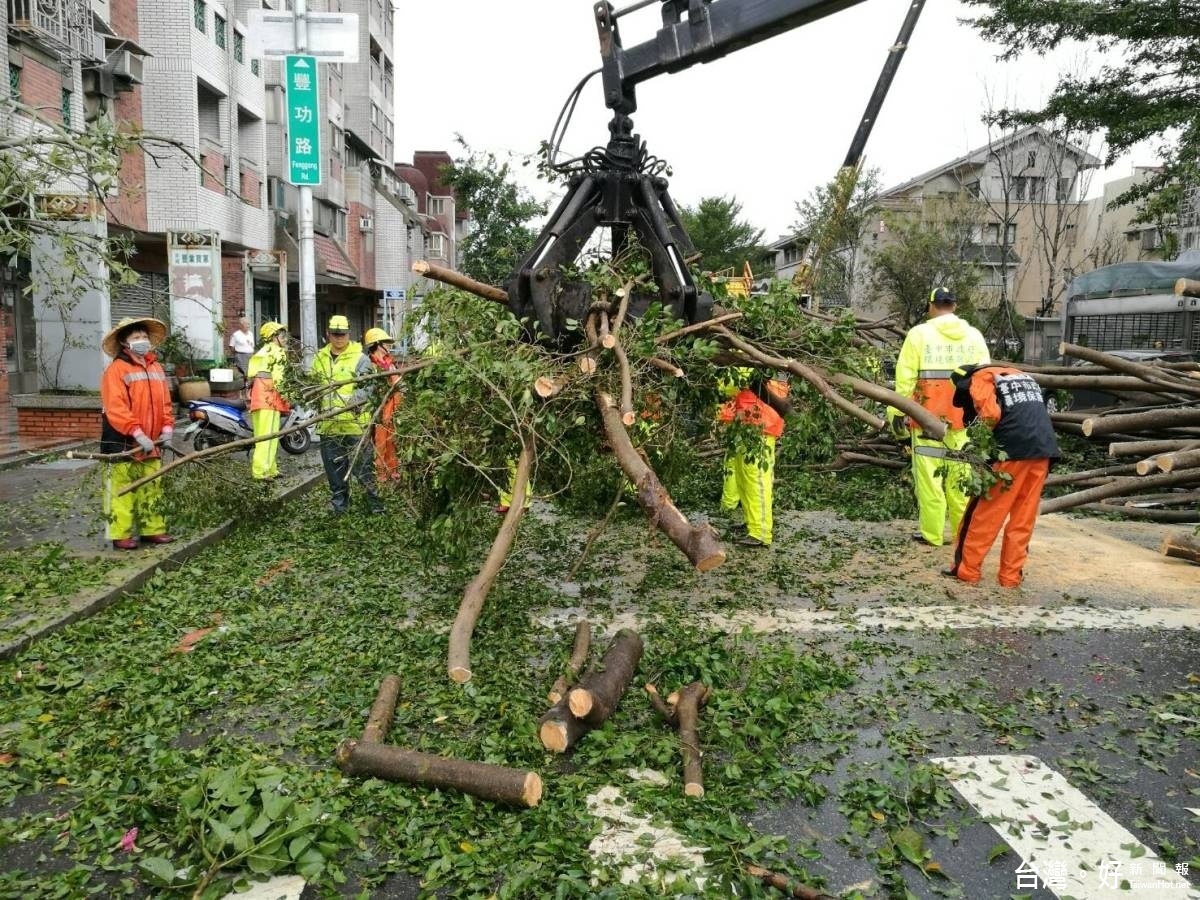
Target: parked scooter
(216, 421)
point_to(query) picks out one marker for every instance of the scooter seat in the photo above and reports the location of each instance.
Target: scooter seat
(232, 403)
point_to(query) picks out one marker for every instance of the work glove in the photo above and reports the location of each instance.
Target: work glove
(899, 427)
(165, 437)
(144, 441)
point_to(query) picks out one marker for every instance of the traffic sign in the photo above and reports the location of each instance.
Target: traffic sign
(304, 121)
(393, 293)
(332, 37)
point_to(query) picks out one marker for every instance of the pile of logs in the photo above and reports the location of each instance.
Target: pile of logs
(1155, 431)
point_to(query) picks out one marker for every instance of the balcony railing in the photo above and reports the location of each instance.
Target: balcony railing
(64, 25)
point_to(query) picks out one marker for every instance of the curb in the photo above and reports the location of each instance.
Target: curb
(85, 605)
(20, 458)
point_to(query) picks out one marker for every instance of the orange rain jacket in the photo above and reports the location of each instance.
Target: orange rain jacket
(747, 407)
(134, 397)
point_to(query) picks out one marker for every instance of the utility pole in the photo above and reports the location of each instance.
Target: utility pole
(308, 261)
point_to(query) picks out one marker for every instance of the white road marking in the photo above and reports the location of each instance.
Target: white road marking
(281, 887)
(935, 618)
(636, 845)
(1076, 849)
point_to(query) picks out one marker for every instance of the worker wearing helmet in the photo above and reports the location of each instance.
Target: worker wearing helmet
(379, 349)
(337, 366)
(932, 350)
(750, 468)
(265, 372)
(1010, 403)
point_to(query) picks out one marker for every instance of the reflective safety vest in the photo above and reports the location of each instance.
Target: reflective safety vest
(350, 363)
(265, 371)
(932, 351)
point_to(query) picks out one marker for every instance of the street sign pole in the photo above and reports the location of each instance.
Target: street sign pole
(308, 261)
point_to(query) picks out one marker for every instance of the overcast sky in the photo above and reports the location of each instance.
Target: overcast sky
(766, 124)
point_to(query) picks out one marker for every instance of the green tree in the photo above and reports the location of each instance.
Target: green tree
(841, 235)
(1148, 89)
(500, 215)
(725, 240)
(921, 251)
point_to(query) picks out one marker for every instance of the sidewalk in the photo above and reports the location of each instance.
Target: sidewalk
(56, 562)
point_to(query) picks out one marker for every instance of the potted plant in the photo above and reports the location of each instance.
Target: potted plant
(178, 357)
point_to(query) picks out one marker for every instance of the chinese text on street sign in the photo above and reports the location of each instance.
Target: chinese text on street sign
(304, 121)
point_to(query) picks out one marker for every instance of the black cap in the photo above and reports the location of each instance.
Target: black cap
(942, 296)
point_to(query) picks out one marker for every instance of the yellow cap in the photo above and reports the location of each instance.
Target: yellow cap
(375, 335)
(269, 330)
(339, 324)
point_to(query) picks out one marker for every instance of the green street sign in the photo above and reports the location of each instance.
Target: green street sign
(303, 120)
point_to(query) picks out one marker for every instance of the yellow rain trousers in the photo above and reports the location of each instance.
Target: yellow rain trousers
(506, 495)
(939, 494)
(144, 504)
(750, 483)
(262, 462)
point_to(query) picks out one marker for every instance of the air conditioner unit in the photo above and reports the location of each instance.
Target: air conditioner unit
(127, 65)
(366, 223)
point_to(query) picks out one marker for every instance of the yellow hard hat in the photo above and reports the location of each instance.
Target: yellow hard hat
(339, 324)
(376, 335)
(269, 330)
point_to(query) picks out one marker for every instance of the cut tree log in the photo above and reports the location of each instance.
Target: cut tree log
(382, 711)
(1149, 448)
(1141, 514)
(847, 458)
(600, 689)
(628, 417)
(1118, 487)
(1142, 421)
(1181, 546)
(558, 730)
(683, 715)
(699, 543)
(666, 366)
(1112, 383)
(1089, 474)
(1174, 498)
(1180, 459)
(579, 654)
(1187, 287)
(504, 785)
(789, 886)
(458, 662)
(459, 280)
(1138, 370)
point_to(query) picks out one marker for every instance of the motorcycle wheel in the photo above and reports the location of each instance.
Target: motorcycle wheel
(208, 437)
(296, 442)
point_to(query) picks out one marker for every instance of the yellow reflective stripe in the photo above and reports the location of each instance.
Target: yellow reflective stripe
(143, 376)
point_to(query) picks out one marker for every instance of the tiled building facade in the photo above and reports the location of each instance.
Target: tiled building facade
(212, 220)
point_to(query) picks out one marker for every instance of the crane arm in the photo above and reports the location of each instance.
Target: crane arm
(694, 31)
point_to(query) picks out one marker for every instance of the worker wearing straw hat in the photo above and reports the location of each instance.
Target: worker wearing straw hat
(136, 419)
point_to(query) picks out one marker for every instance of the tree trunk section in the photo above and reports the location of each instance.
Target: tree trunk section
(599, 691)
(558, 730)
(788, 886)
(461, 281)
(382, 711)
(459, 656)
(1143, 421)
(1118, 487)
(579, 654)
(1089, 474)
(1141, 514)
(699, 543)
(499, 783)
(1149, 448)
(1183, 459)
(1181, 546)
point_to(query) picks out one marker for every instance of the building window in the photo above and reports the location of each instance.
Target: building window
(437, 206)
(66, 107)
(219, 31)
(199, 13)
(14, 82)
(436, 245)
(254, 66)
(238, 46)
(1031, 163)
(339, 223)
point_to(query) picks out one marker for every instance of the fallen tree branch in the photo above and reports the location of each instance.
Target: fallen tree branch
(1151, 420)
(382, 710)
(628, 417)
(1116, 488)
(1173, 516)
(789, 886)
(698, 542)
(579, 654)
(1088, 474)
(699, 326)
(236, 445)
(596, 531)
(1117, 364)
(499, 783)
(1149, 448)
(461, 281)
(683, 715)
(458, 661)
(665, 365)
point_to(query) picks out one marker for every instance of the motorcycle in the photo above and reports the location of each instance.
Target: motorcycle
(216, 421)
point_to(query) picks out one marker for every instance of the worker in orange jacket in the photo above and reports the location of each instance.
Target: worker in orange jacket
(1010, 403)
(379, 348)
(750, 478)
(136, 419)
